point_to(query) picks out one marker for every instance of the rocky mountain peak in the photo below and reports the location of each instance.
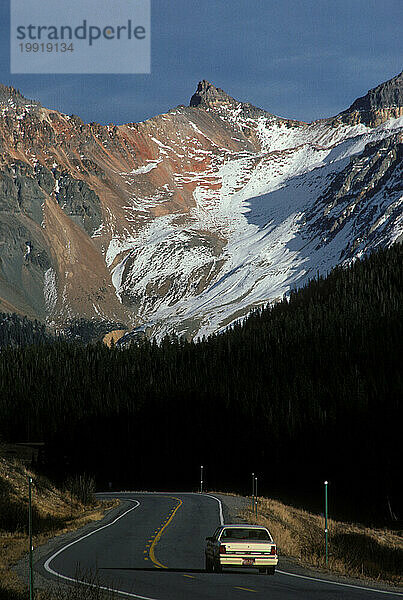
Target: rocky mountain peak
(11, 96)
(388, 94)
(383, 102)
(207, 95)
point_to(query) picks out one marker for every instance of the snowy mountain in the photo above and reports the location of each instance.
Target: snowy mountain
(185, 222)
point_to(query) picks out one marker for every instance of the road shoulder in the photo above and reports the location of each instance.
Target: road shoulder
(233, 505)
(43, 579)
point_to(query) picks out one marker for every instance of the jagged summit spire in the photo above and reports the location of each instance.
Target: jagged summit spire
(210, 96)
(9, 93)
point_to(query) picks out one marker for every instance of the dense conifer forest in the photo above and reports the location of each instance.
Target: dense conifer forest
(305, 390)
(21, 331)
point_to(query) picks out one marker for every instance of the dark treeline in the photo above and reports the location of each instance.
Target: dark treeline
(21, 331)
(18, 331)
(306, 390)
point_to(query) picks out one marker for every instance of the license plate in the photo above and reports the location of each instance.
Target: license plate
(248, 561)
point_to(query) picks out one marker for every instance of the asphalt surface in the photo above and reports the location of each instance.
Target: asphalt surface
(153, 549)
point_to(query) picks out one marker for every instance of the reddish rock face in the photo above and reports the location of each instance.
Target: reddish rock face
(186, 221)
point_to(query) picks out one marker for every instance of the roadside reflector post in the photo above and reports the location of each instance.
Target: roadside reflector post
(253, 492)
(326, 528)
(31, 573)
(201, 479)
(256, 495)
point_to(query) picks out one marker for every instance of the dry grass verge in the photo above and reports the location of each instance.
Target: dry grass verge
(354, 550)
(54, 512)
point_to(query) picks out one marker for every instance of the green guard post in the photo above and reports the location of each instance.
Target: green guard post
(31, 571)
(326, 528)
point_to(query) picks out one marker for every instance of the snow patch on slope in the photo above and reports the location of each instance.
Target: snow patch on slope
(50, 290)
(264, 236)
(153, 164)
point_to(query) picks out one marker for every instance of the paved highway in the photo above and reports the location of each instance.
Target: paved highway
(153, 549)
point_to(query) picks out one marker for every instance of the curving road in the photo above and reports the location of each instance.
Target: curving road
(153, 550)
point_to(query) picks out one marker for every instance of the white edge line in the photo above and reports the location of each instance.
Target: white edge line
(47, 563)
(357, 587)
(220, 505)
(93, 585)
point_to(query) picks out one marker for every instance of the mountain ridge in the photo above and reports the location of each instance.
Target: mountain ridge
(385, 101)
(188, 220)
(386, 95)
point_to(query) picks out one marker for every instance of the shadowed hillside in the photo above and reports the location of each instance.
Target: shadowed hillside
(310, 388)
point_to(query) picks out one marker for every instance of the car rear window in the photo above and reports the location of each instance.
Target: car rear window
(245, 534)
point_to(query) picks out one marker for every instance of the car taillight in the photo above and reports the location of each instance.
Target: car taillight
(273, 550)
(222, 549)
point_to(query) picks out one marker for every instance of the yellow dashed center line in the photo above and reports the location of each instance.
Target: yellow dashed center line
(190, 576)
(244, 589)
(159, 533)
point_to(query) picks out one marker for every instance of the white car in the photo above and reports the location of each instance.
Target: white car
(241, 546)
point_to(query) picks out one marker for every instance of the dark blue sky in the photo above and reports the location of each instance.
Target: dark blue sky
(302, 59)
